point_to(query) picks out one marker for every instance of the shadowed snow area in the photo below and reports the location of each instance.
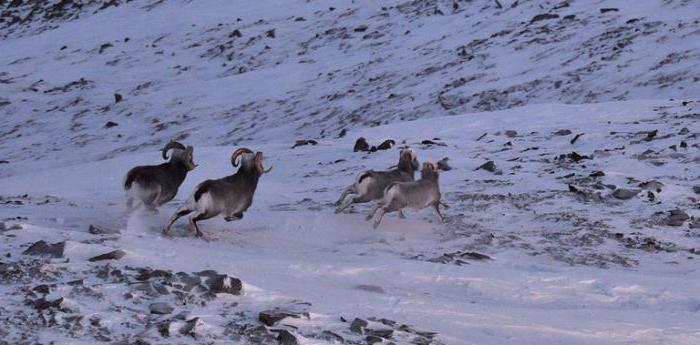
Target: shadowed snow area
(583, 226)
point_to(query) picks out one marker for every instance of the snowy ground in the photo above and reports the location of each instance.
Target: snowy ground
(568, 261)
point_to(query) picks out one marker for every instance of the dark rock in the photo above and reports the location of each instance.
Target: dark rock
(651, 135)
(544, 16)
(285, 337)
(677, 217)
(371, 288)
(373, 339)
(161, 308)
(190, 326)
(304, 142)
(105, 46)
(113, 255)
(573, 156)
(442, 164)
(488, 166)
(605, 10)
(270, 33)
(386, 144)
(223, 283)
(431, 142)
(41, 248)
(597, 174)
(118, 98)
(563, 132)
(651, 185)
(474, 256)
(101, 230)
(331, 336)
(164, 328)
(696, 189)
(110, 124)
(684, 131)
(358, 325)
(511, 133)
(2, 226)
(235, 33)
(43, 303)
(573, 141)
(271, 317)
(382, 333)
(43, 288)
(361, 28)
(625, 194)
(342, 133)
(361, 145)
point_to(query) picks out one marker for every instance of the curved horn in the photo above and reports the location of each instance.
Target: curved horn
(258, 163)
(171, 145)
(237, 153)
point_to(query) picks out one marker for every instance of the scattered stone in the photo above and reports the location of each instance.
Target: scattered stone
(651, 135)
(285, 337)
(361, 28)
(371, 288)
(101, 230)
(222, 283)
(163, 328)
(104, 47)
(511, 133)
(573, 156)
(696, 189)
(651, 185)
(42, 248)
(235, 33)
(118, 98)
(481, 136)
(684, 131)
(304, 142)
(43, 288)
(190, 327)
(43, 303)
(597, 174)
(361, 145)
(544, 16)
(110, 124)
(474, 256)
(271, 317)
(605, 10)
(358, 325)
(386, 144)
(113, 255)
(625, 194)
(677, 217)
(488, 166)
(430, 142)
(442, 164)
(161, 308)
(573, 141)
(270, 33)
(563, 132)
(342, 133)
(373, 339)
(2, 226)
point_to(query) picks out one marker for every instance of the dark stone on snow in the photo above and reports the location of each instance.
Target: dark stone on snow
(442, 164)
(342, 133)
(488, 166)
(43, 288)
(161, 308)
(650, 136)
(474, 256)
(696, 189)
(361, 145)
(110, 124)
(222, 283)
(101, 230)
(373, 339)
(43, 303)
(677, 217)
(41, 248)
(113, 255)
(382, 333)
(358, 325)
(563, 132)
(597, 174)
(511, 133)
(190, 326)
(651, 185)
(304, 142)
(386, 144)
(625, 194)
(118, 97)
(285, 337)
(605, 10)
(544, 16)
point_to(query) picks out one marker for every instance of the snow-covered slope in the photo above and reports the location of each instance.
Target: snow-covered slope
(586, 230)
(221, 72)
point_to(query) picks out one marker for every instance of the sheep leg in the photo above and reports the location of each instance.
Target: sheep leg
(373, 211)
(349, 200)
(345, 193)
(175, 217)
(193, 223)
(235, 216)
(436, 207)
(378, 220)
(129, 204)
